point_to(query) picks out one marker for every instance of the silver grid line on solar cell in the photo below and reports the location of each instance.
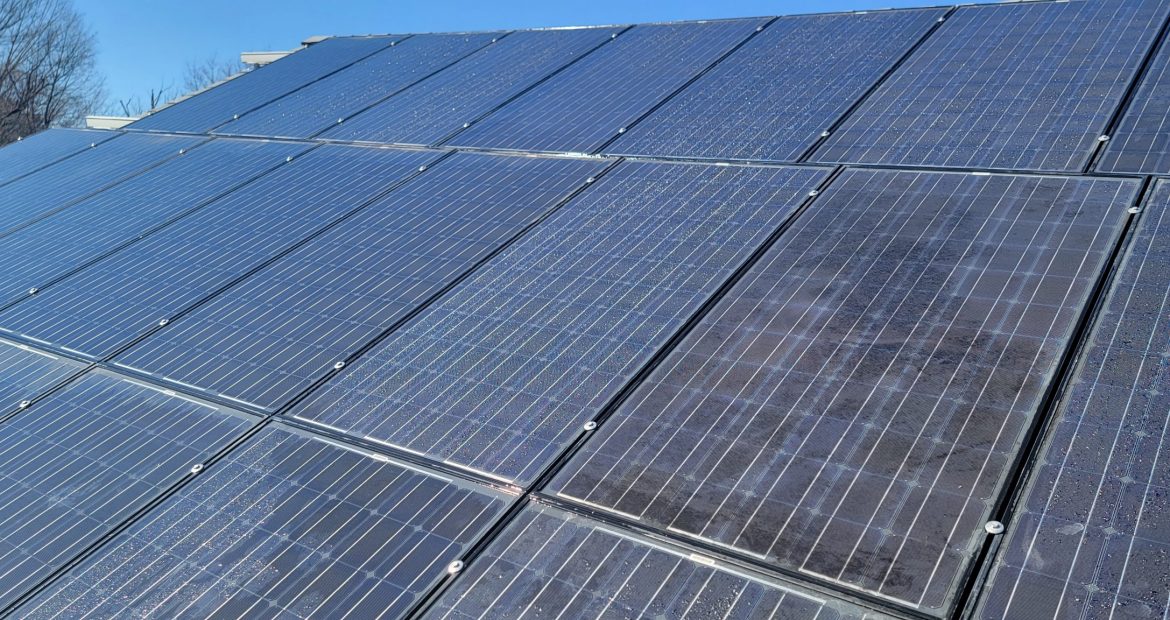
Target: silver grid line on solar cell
(26, 373)
(43, 149)
(289, 525)
(331, 100)
(502, 372)
(1025, 86)
(1089, 538)
(209, 109)
(273, 334)
(772, 98)
(583, 107)
(803, 398)
(467, 91)
(549, 560)
(88, 456)
(39, 253)
(98, 310)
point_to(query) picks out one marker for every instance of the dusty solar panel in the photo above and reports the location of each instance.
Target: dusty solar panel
(500, 374)
(432, 110)
(329, 101)
(1027, 86)
(550, 562)
(271, 336)
(113, 301)
(33, 256)
(850, 408)
(75, 464)
(581, 108)
(25, 373)
(61, 184)
(289, 526)
(1141, 142)
(45, 148)
(773, 97)
(1090, 535)
(212, 108)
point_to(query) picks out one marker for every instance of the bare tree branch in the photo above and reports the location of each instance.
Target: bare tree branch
(200, 75)
(47, 67)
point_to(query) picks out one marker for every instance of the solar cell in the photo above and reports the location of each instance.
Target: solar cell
(44, 148)
(86, 457)
(553, 562)
(582, 107)
(1141, 142)
(773, 97)
(61, 184)
(288, 526)
(111, 302)
(1089, 538)
(850, 408)
(330, 100)
(31, 257)
(465, 92)
(26, 373)
(1027, 86)
(271, 336)
(214, 107)
(500, 374)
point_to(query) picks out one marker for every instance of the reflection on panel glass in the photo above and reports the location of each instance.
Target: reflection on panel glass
(45, 148)
(850, 408)
(286, 526)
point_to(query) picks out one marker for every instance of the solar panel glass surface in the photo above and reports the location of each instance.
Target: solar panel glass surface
(1141, 142)
(44, 148)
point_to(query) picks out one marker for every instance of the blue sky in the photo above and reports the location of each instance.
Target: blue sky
(145, 44)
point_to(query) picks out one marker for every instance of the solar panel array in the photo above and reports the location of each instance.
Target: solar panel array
(854, 315)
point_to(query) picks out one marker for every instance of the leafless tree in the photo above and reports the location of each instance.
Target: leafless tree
(137, 106)
(47, 67)
(199, 75)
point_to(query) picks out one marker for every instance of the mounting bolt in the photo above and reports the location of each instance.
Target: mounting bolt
(25, 403)
(182, 151)
(422, 168)
(993, 527)
(814, 193)
(288, 159)
(33, 290)
(466, 125)
(235, 117)
(196, 468)
(454, 567)
(1102, 138)
(339, 366)
(759, 28)
(825, 133)
(613, 36)
(590, 180)
(621, 130)
(1134, 210)
(590, 425)
(163, 323)
(340, 121)
(91, 144)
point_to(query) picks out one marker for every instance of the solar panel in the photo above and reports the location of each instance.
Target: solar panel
(44, 148)
(465, 92)
(582, 107)
(110, 303)
(1028, 86)
(287, 526)
(26, 373)
(850, 408)
(331, 100)
(773, 97)
(214, 107)
(77, 463)
(33, 256)
(548, 560)
(503, 372)
(269, 338)
(1142, 140)
(63, 183)
(1089, 536)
